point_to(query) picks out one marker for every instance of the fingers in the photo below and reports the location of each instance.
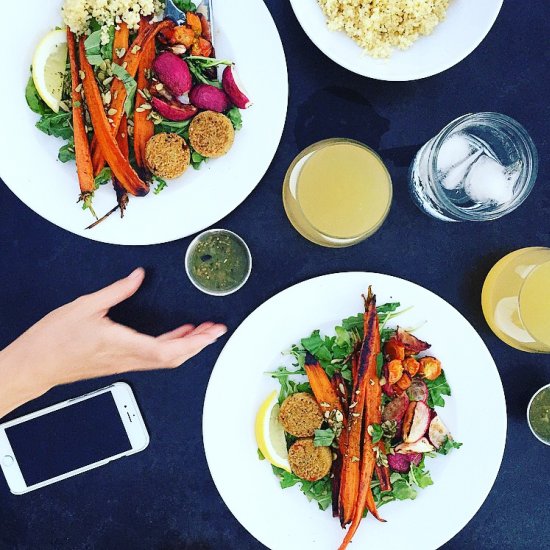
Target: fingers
(115, 293)
(179, 332)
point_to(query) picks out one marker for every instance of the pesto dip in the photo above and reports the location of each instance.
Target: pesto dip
(218, 261)
(539, 414)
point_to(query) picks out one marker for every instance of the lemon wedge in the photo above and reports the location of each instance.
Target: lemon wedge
(49, 64)
(270, 435)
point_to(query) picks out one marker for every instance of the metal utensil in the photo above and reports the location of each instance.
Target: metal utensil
(204, 7)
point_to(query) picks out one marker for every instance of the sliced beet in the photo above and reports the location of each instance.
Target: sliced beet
(437, 432)
(416, 421)
(234, 89)
(418, 391)
(173, 72)
(399, 463)
(396, 408)
(210, 98)
(420, 446)
(173, 110)
(414, 458)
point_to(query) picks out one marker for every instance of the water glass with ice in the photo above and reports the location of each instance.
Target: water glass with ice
(479, 167)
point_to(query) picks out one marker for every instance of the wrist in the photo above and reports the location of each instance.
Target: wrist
(17, 383)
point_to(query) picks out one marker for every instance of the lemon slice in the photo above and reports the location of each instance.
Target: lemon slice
(270, 435)
(48, 67)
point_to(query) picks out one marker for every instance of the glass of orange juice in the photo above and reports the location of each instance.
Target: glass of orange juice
(516, 299)
(337, 192)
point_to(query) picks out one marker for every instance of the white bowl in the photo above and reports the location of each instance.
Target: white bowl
(466, 25)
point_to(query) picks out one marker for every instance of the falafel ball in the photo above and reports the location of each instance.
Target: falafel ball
(308, 461)
(211, 134)
(300, 415)
(167, 155)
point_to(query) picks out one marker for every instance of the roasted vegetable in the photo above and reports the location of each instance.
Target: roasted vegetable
(393, 349)
(418, 391)
(412, 344)
(415, 421)
(395, 371)
(403, 383)
(430, 368)
(234, 89)
(437, 432)
(420, 446)
(173, 72)
(396, 408)
(209, 98)
(173, 110)
(411, 365)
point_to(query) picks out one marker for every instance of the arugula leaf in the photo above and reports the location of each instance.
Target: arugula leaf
(320, 491)
(161, 184)
(196, 159)
(288, 387)
(354, 323)
(56, 124)
(234, 115)
(436, 390)
(402, 490)
(34, 101)
(448, 445)
(129, 83)
(324, 438)
(181, 128)
(379, 364)
(419, 476)
(376, 432)
(67, 152)
(105, 176)
(185, 5)
(317, 347)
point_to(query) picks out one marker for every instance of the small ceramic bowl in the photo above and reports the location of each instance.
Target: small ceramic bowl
(189, 253)
(546, 442)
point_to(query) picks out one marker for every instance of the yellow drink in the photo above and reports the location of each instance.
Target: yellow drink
(516, 299)
(337, 192)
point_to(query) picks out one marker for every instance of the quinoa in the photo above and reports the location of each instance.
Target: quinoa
(379, 26)
(77, 14)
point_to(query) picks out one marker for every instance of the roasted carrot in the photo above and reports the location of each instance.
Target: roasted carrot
(322, 388)
(371, 403)
(84, 165)
(120, 166)
(130, 62)
(339, 386)
(143, 125)
(383, 474)
(349, 484)
(194, 22)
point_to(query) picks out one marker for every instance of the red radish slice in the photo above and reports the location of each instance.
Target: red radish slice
(420, 446)
(173, 72)
(413, 345)
(396, 408)
(437, 432)
(399, 463)
(416, 421)
(234, 89)
(418, 391)
(210, 98)
(173, 110)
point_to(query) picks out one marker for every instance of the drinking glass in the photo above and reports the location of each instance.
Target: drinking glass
(516, 299)
(479, 167)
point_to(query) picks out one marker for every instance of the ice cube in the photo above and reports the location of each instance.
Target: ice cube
(455, 176)
(488, 181)
(454, 150)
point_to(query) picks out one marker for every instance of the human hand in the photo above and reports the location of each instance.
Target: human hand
(79, 341)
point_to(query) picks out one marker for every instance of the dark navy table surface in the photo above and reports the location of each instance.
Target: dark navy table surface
(164, 498)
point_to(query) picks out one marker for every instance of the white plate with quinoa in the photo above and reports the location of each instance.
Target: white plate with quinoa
(28, 158)
(284, 519)
(368, 39)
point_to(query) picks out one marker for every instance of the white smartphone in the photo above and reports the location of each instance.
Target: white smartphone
(72, 437)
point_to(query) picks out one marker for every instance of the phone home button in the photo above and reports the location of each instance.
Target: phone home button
(7, 460)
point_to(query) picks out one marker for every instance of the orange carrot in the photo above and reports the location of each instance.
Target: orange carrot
(120, 166)
(130, 62)
(84, 165)
(143, 126)
(322, 388)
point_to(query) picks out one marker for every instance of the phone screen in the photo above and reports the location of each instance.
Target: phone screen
(69, 438)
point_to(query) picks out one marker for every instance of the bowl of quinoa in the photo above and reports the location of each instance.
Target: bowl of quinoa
(396, 39)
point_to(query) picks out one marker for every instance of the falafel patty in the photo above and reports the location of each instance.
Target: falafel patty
(308, 461)
(300, 415)
(167, 155)
(211, 134)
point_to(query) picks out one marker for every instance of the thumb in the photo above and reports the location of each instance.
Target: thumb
(113, 294)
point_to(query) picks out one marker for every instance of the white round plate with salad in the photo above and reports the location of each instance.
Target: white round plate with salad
(425, 507)
(29, 162)
(466, 24)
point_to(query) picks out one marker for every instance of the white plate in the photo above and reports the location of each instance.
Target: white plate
(476, 415)
(466, 25)
(28, 158)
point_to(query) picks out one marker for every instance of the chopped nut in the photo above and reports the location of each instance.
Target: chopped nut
(112, 112)
(120, 52)
(342, 388)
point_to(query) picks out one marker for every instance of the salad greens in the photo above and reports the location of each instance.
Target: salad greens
(334, 355)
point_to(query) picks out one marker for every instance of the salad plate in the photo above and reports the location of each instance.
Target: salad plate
(196, 200)
(466, 24)
(282, 519)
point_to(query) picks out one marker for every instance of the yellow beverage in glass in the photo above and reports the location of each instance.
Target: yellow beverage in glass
(337, 192)
(516, 299)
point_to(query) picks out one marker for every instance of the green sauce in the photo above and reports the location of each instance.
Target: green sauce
(219, 262)
(539, 414)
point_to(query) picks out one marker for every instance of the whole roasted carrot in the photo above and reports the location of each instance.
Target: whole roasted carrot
(120, 166)
(339, 386)
(130, 62)
(143, 125)
(349, 484)
(84, 166)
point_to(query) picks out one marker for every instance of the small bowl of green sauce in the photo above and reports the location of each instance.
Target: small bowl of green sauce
(218, 262)
(538, 414)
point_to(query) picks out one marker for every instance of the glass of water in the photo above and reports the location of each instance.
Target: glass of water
(479, 167)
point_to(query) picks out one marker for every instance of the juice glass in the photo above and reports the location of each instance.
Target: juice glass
(516, 299)
(337, 192)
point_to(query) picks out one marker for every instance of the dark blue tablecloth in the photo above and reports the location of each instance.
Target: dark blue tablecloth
(164, 498)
